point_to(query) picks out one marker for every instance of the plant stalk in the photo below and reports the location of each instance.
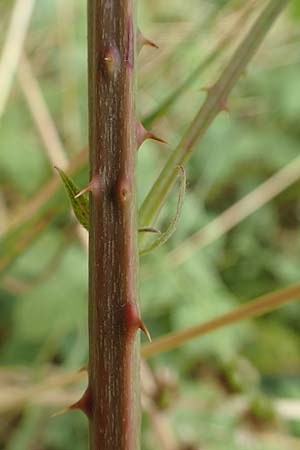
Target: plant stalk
(253, 308)
(112, 400)
(213, 105)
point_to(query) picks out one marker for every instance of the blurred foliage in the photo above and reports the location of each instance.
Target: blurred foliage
(43, 294)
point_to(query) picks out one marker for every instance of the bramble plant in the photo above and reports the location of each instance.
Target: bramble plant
(112, 398)
(120, 234)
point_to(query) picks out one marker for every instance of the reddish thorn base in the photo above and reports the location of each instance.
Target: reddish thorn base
(93, 186)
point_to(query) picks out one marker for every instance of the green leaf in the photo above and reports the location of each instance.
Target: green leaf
(165, 236)
(80, 205)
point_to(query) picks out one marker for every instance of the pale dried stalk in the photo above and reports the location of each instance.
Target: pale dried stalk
(41, 115)
(70, 111)
(45, 125)
(13, 47)
(235, 214)
(159, 420)
(24, 214)
(260, 306)
(213, 105)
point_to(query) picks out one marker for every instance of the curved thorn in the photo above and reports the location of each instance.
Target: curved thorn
(143, 327)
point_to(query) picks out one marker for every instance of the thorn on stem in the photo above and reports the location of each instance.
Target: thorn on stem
(142, 134)
(133, 322)
(84, 404)
(61, 411)
(223, 103)
(142, 41)
(93, 186)
(224, 107)
(143, 327)
(83, 191)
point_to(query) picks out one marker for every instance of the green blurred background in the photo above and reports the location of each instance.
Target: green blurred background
(238, 388)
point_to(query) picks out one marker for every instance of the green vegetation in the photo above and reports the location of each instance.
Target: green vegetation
(236, 388)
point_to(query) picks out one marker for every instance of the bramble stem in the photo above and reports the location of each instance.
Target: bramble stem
(112, 398)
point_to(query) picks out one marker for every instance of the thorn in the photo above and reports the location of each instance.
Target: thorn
(61, 411)
(149, 230)
(150, 135)
(224, 107)
(143, 327)
(88, 188)
(65, 410)
(84, 404)
(93, 186)
(142, 41)
(133, 321)
(142, 134)
(147, 42)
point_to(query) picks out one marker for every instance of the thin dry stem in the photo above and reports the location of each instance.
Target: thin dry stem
(70, 110)
(226, 35)
(41, 115)
(14, 397)
(19, 389)
(214, 104)
(45, 125)
(239, 211)
(159, 420)
(24, 214)
(13, 47)
(253, 308)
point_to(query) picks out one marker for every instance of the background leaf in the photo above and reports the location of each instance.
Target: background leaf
(80, 204)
